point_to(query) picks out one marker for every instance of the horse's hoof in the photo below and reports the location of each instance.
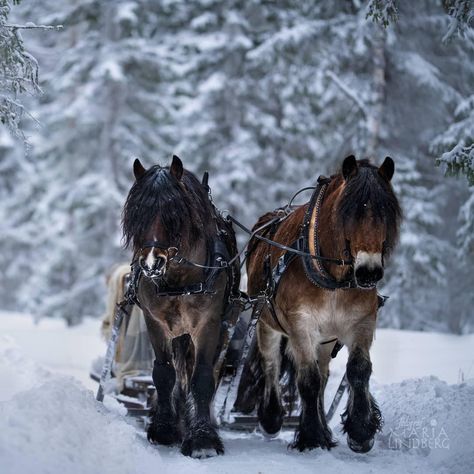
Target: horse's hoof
(306, 442)
(363, 447)
(163, 433)
(202, 445)
(204, 453)
(267, 435)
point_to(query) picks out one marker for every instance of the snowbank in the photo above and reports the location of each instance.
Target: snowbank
(52, 344)
(52, 424)
(427, 417)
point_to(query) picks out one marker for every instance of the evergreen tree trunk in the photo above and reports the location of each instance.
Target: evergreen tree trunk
(376, 106)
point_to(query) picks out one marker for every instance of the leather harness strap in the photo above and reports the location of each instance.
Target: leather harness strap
(307, 245)
(309, 239)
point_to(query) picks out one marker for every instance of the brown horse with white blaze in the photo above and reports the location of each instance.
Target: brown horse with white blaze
(350, 228)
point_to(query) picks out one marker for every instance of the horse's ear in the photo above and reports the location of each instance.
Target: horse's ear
(176, 168)
(138, 169)
(349, 167)
(387, 169)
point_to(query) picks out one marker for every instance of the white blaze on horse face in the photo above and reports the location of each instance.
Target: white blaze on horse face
(369, 260)
(150, 258)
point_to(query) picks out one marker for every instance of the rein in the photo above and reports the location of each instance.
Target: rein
(302, 246)
(293, 250)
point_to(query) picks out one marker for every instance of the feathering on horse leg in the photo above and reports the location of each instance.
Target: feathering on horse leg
(270, 409)
(164, 427)
(201, 439)
(362, 418)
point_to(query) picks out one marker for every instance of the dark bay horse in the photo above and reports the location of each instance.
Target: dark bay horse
(180, 243)
(352, 224)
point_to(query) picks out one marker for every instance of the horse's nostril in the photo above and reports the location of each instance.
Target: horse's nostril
(366, 276)
(159, 263)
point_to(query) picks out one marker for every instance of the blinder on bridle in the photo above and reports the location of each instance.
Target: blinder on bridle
(161, 261)
(347, 254)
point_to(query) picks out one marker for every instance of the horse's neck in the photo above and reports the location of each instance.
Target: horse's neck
(197, 252)
(187, 273)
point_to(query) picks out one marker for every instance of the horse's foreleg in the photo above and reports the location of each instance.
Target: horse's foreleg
(362, 418)
(201, 439)
(324, 358)
(270, 409)
(163, 428)
(312, 431)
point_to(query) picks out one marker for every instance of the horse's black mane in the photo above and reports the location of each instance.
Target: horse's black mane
(182, 206)
(369, 190)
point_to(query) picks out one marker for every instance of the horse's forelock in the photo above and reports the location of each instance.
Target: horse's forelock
(369, 190)
(179, 205)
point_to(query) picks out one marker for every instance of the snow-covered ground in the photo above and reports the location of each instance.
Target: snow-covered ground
(51, 423)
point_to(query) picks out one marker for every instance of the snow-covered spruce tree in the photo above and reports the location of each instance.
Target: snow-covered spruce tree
(108, 98)
(426, 78)
(456, 144)
(12, 196)
(454, 152)
(436, 71)
(18, 86)
(18, 71)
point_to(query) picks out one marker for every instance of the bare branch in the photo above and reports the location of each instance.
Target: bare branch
(351, 94)
(32, 26)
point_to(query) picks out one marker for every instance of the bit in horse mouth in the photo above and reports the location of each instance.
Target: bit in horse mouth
(366, 285)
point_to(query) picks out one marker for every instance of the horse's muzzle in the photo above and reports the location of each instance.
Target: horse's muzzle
(366, 277)
(157, 270)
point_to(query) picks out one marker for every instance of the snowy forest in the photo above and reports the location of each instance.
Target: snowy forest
(266, 96)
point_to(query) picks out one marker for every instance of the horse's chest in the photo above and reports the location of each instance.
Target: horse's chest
(175, 316)
(330, 318)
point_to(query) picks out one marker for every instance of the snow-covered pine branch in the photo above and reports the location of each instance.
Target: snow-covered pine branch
(32, 26)
(382, 12)
(455, 147)
(18, 69)
(461, 14)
